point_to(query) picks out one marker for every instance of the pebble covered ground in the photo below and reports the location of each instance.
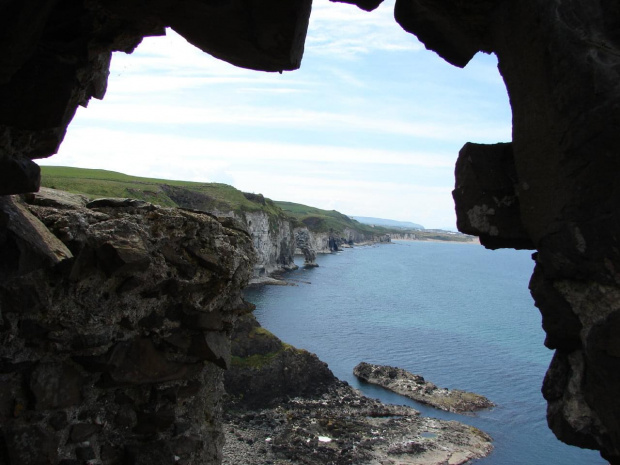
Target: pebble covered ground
(342, 427)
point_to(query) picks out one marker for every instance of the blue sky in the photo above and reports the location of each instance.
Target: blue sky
(370, 125)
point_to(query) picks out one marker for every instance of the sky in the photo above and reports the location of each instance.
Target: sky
(370, 125)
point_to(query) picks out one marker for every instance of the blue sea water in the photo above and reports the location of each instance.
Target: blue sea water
(458, 314)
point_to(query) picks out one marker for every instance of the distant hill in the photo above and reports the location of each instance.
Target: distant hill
(387, 223)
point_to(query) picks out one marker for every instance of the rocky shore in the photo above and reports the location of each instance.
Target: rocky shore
(344, 427)
(285, 407)
(417, 388)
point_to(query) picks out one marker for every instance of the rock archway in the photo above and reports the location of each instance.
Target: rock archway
(554, 189)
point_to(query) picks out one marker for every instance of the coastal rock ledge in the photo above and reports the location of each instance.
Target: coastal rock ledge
(417, 388)
(286, 407)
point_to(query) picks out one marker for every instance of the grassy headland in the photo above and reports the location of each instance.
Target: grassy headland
(199, 196)
(213, 197)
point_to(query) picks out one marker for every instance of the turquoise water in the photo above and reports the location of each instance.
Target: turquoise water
(457, 314)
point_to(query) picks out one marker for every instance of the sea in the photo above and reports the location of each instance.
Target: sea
(457, 314)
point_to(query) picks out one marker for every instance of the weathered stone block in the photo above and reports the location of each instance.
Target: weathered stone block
(19, 176)
(139, 362)
(56, 385)
(31, 445)
(487, 202)
(80, 432)
(213, 346)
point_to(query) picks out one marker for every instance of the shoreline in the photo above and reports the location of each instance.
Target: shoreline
(284, 406)
(339, 426)
(277, 278)
(474, 241)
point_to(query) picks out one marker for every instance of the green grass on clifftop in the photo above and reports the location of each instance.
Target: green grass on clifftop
(213, 198)
(199, 196)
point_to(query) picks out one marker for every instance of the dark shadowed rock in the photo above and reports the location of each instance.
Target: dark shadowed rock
(107, 360)
(55, 385)
(31, 445)
(265, 371)
(455, 30)
(139, 362)
(19, 176)
(486, 199)
(367, 5)
(82, 431)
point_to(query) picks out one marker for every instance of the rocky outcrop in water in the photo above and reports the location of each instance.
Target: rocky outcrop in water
(561, 65)
(304, 245)
(417, 388)
(115, 320)
(285, 406)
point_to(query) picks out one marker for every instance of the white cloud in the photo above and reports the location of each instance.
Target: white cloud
(346, 32)
(144, 149)
(443, 128)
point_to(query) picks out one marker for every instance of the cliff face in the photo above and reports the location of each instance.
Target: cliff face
(274, 242)
(403, 236)
(556, 185)
(116, 320)
(327, 242)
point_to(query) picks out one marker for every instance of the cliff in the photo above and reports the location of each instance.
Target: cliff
(327, 231)
(116, 319)
(277, 234)
(274, 242)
